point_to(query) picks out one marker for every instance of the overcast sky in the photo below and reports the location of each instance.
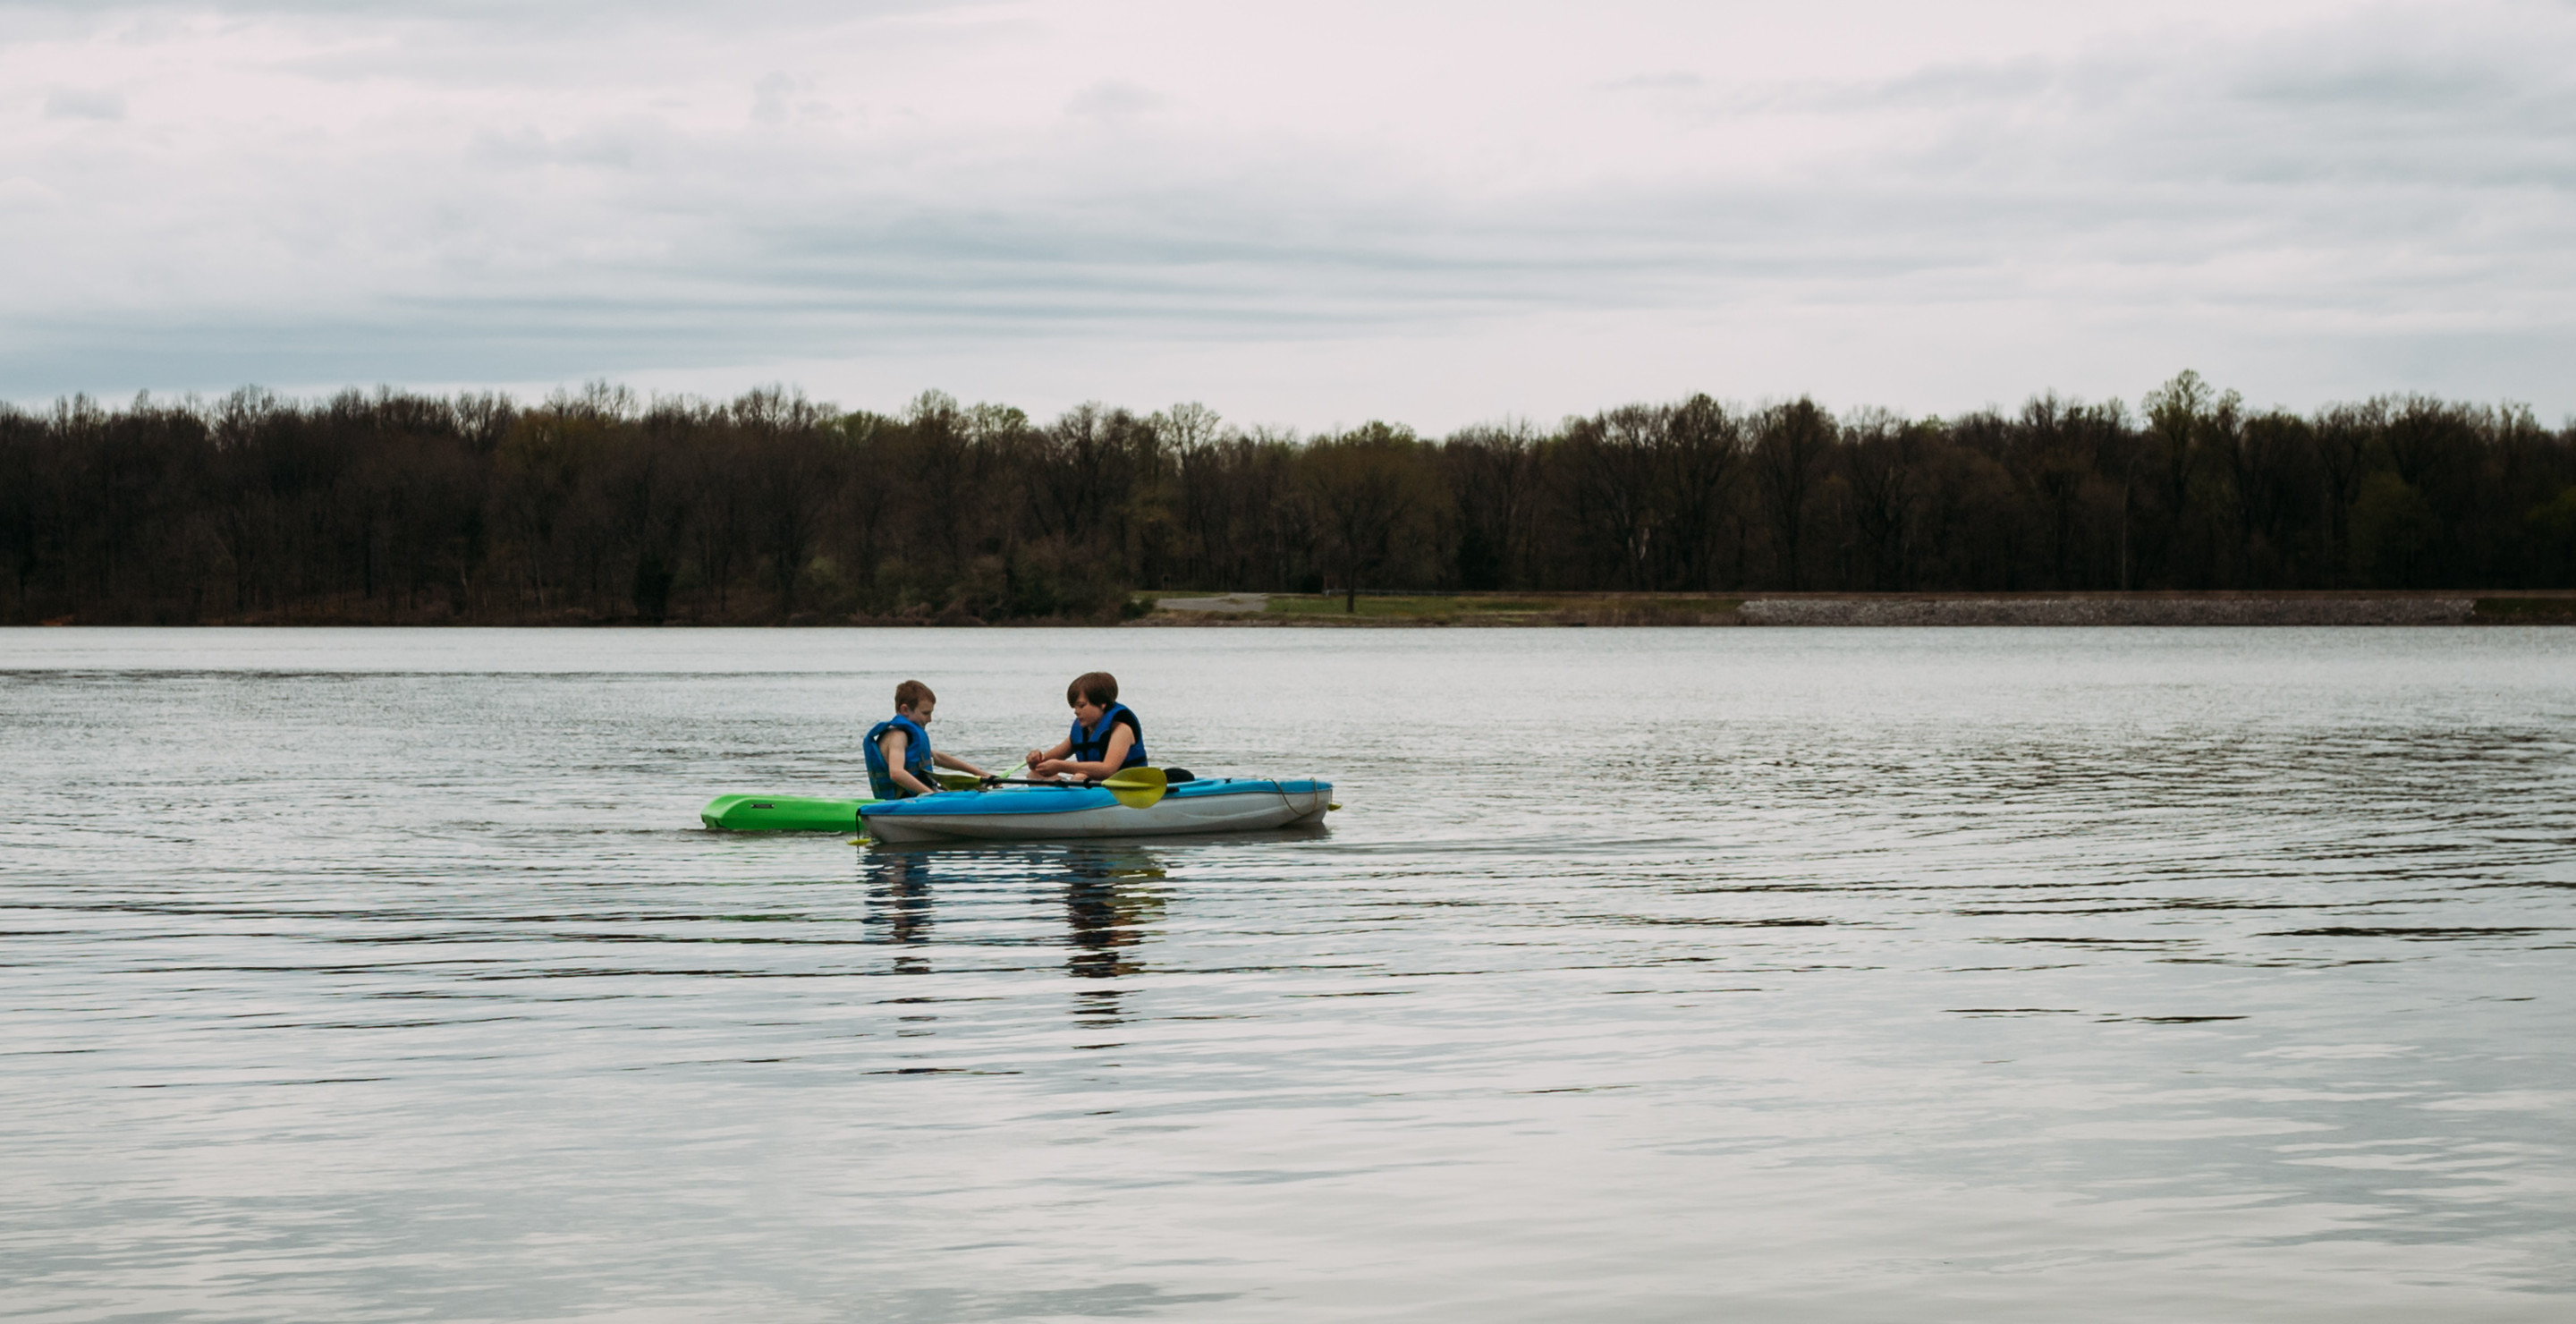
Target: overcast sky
(1303, 214)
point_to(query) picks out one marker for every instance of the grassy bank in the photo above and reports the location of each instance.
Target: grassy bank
(1515, 609)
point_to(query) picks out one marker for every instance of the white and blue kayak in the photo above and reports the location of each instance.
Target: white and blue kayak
(1043, 813)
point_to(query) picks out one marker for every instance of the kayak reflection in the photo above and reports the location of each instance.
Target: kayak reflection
(1110, 891)
(899, 903)
(1111, 903)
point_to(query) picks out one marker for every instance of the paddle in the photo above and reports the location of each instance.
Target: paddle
(1136, 788)
(967, 781)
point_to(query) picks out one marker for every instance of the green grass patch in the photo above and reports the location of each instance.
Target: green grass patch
(1416, 608)
(1674, 606)
(1593, 609)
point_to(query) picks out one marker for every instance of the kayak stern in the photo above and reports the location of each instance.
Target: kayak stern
(781, 813)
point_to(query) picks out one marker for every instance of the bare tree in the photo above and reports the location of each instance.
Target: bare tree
(1494, 480)
(1792, 442)
(1881, 455)
(1369, 489)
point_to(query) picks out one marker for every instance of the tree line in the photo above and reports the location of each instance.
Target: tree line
(600, 505)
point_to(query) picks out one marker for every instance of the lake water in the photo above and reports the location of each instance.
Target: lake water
(1645, 975)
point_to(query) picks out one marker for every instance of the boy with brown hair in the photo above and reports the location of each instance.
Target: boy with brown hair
(1106, 735)
(898, 749)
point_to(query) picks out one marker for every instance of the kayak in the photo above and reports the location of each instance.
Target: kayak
(781, 813)
(1037, 813)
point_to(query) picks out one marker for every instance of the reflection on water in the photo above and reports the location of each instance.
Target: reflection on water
(1806, 975)
(899, 905)
(1110, 903)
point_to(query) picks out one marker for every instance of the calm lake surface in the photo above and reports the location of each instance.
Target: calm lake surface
(1645, 975)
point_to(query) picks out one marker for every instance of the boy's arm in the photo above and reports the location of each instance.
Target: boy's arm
(894, 743)
(1055, 751)
(947, 760)
(1119, 742)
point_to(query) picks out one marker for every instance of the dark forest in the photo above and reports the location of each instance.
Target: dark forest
(601, 506)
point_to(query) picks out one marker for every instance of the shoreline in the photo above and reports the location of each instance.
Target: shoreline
(2235, 607)
(1168, 610)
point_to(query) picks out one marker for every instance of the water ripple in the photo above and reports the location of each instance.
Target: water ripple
(1661, 974)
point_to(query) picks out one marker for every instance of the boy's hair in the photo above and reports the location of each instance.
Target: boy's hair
(1098, 686)
(910, 694)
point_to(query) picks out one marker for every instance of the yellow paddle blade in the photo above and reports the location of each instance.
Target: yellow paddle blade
(1136, 788)
(958, 781)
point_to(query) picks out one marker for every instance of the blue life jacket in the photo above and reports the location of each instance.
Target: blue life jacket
(1093, 745)
(916, 758)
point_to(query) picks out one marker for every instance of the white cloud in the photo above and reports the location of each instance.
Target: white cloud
(71, 103)
(1433, 211)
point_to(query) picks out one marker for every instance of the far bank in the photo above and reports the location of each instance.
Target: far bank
(1428, 610)
(2214, 608)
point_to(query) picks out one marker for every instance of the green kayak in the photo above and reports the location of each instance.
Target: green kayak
(781, 813)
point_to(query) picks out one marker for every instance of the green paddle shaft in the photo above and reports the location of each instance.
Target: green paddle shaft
(1136, 788)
